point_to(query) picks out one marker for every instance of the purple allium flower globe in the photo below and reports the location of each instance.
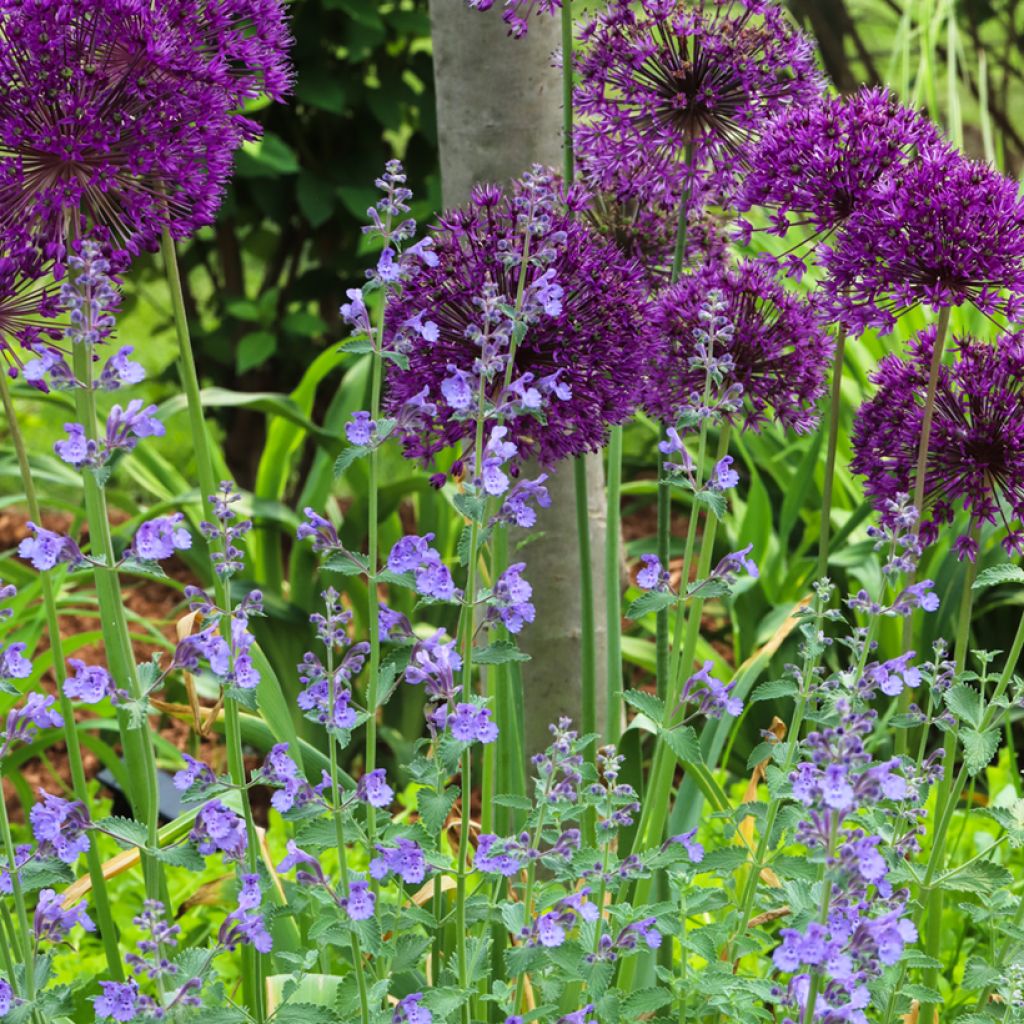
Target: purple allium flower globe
(596, 342)
(777, 349)
(27, 309)
(122, 120)
(822, 161)
(662, 77)
(942, 231)
(976, 453)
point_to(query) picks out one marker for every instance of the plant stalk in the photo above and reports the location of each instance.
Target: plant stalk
(79, 786)
(835, 409)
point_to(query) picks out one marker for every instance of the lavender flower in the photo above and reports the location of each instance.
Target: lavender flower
(653, 575)
(280, 770)
(595, 349)
(46, 549)
(712, 697)
(120, 1001)
(777, 351)
(433, 578)
(498, 857)
(663, 78)
(159, 538)
(195, 773)
(405, 859)
(89, 683)
(219, 830)
(510, 602)
(469, 723)
(374, 790)
(941, 231)
(51, 922)
(360, 902)
(409, 1011)
(60, 827)
(119, 371)
(976, 452)
(13, 663)
(6, 997)
(245, 924)
(24, 722)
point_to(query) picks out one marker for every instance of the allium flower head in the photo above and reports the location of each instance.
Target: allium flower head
(777, 351)
(942, 231)
(27, 309)
(590, 347)
(119, 118)
(816, 164)
(664, 76)
(976, 449)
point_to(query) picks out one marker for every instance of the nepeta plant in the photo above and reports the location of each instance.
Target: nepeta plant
(595, 881)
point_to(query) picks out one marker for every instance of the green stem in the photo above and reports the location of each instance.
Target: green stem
(460, 880)
(79, 786)
(24, 929)
(339, 839)
(613, 588)
(947, 799)
(588, 652)
(835, 409)
(251, 962)
(567, 112)
(658, 797)
(826, 899)
(138, 750)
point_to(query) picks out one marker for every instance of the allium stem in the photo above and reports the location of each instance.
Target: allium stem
(137, 748)
(79, 786)
(661, 638)
(588, 653)
(613, 586)
(658, 796)
(835, 409)
(929, 409)
(949, 791)
(251, 962)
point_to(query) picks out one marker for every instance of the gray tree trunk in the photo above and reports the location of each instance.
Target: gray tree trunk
(499, 110)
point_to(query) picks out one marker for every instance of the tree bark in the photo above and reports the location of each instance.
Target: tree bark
(499, 112)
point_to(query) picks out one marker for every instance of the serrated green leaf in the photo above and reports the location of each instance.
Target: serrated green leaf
(358, 346)
(982, 878)
(499, 653)
(774, 689)
(348, 456)
(684, 744)
(646, 1000)
(646, 703)
(182, 856)
(400, 359)
(996, 574)
(471, 506)
(979, 748)
(520, 803)
(714, 501)
(435, 807)
(965, 702)
(346, 563)
(652, 601)
(124, 830)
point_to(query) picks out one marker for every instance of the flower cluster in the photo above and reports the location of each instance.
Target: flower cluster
(777, 350)
(585, 359)
(517, 12)
(975, 456)
(667, 88)
(121, 122)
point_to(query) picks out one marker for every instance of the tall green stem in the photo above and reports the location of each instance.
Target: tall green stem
(101, 898)
(24, 930)
(949, 791)
(252, 969)
(138, 750)
(658, 796)
(613, 588)
(827, 487)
